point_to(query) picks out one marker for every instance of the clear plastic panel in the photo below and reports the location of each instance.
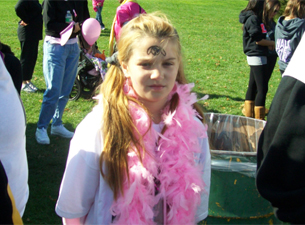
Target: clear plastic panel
(233, 141)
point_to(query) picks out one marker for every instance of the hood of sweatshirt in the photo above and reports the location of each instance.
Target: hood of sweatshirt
(244, 15)
(289, 27)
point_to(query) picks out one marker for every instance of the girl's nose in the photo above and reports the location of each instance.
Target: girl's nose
(156, 74)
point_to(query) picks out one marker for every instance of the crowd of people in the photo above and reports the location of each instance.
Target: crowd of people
(144, 148)
(263, 42)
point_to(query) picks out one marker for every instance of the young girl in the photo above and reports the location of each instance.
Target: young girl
(271, 8)
(142, 155)
(289, 31)
(98, 7)
(128, 10)
(255, 46)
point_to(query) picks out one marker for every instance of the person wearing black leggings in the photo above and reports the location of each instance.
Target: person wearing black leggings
(29, 33)
(255, 46)
(258, 84)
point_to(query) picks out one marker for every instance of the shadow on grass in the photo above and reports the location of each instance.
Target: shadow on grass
(214, 96)
(46, 166)
(41, 91)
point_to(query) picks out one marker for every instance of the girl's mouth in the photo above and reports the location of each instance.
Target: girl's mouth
(156, 86)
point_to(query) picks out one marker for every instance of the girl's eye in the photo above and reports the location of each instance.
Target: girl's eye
(145, 64)
(167, 64)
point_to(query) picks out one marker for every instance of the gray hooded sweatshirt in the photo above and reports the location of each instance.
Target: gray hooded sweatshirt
(288, 34)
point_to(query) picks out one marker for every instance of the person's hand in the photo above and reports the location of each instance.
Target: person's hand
(99, 4)
(22, 23)
(75, 221)
(271, 47)
(76, 28)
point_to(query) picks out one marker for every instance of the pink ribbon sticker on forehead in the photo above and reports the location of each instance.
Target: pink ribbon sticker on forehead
(156, 50)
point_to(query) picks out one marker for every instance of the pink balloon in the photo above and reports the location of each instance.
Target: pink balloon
(91, 30)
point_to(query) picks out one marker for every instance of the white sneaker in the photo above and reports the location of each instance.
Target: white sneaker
(33, 86)
(27, 88)
(61, 131)
(42, 136)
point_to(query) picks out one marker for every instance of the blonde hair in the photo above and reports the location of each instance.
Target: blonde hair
(118, 130)
(295, 8)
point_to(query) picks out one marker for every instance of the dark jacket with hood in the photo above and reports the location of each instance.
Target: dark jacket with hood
(254, 31)
(288, 34)
(281, 146)
(54, 13)
(30, 12)
(271, 36)
(281, 153)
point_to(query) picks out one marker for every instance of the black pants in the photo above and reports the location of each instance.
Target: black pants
(271, 61)
(258, 85)
(28, 57)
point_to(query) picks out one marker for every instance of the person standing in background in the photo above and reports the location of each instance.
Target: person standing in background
(289, 31)
(29, 33)
(59, 63)
(255, 46)
(271, 8)
(98, 7)
(128, 10)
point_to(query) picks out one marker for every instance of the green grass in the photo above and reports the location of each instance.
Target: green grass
(212, 47)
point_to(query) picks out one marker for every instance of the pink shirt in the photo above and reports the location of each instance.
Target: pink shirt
(95, 2)
(125, 13)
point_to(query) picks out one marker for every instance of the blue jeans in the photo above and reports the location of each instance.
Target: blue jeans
(98, 16)
(59, 70)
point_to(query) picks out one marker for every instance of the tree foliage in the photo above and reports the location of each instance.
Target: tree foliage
(283, 5)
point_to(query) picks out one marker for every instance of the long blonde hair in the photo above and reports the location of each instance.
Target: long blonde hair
(119, 131)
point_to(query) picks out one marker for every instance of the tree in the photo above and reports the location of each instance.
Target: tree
(283, 5)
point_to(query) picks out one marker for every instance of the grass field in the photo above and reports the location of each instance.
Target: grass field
(212, 46)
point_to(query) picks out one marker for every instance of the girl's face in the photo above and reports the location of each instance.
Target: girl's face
(152, 70)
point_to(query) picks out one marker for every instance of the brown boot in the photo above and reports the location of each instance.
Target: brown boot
(248, 109)
(259, 112)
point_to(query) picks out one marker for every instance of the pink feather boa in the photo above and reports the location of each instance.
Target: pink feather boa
(172, 161)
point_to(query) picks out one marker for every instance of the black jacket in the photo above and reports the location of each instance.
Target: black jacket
(54, 12)
(254, 31)
(30, 12)
(270, 33)
(281, 153)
